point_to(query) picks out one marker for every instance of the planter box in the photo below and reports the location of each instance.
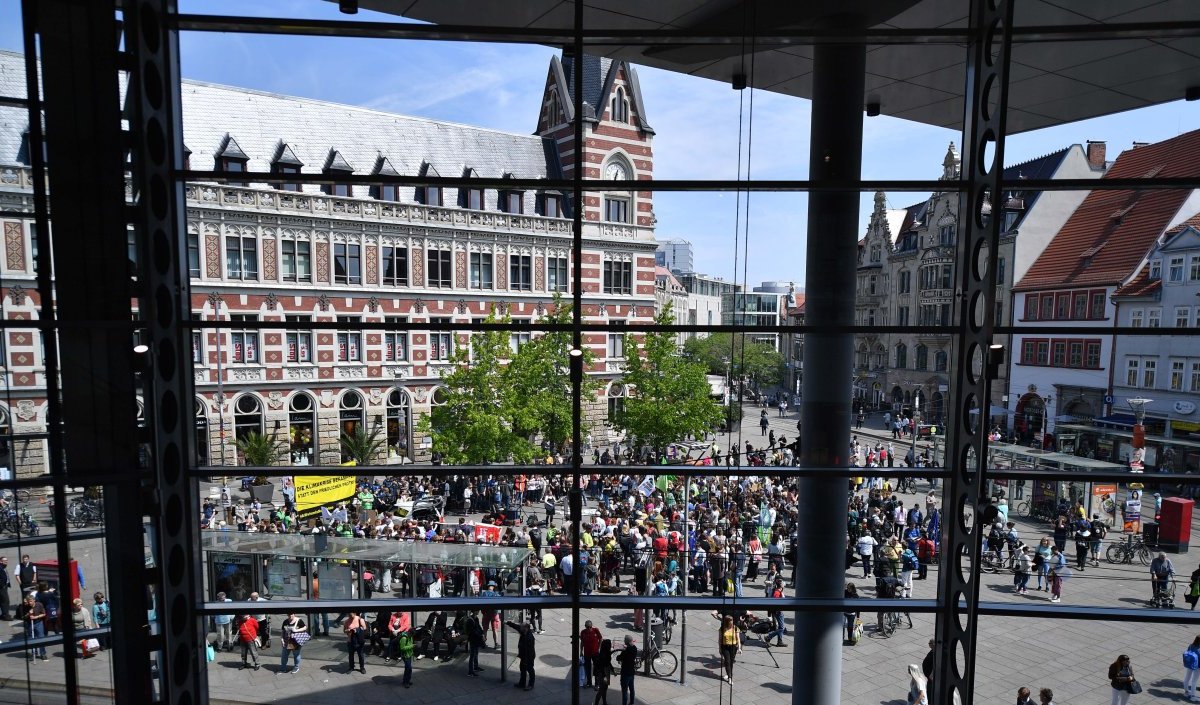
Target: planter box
(263, 493)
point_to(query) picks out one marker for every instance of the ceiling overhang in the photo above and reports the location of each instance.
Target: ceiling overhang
(1051, 82)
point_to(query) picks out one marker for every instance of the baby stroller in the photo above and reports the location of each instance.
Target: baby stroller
(1164, 597)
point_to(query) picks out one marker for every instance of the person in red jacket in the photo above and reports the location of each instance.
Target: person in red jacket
(926, 553)
(589, 642)
(248, 636)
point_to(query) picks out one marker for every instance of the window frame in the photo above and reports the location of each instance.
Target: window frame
(348, 340)
(439, 261)
(348, 257)
(245, 344)
(298, 340)
(388, 257)
(296, 257)
(617, 277)
(395, 342)
(242, 274)
(621, 206)
(476, 269)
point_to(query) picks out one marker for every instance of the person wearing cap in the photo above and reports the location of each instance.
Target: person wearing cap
(491, 618)
(1083, 544)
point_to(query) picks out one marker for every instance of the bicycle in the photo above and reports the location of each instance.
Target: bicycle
(1125, 552)
(18, 523)
(663, 663)
(81, 512)
(22, 496)
(907, 485)
(889, 621)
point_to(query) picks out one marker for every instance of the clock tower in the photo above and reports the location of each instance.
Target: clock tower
(617, 137)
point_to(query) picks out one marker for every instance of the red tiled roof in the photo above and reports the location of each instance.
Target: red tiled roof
(1141, 285)
(1111, 231)
(1193, 223)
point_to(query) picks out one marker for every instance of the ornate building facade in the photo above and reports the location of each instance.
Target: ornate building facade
(906, 277)
(296, 254)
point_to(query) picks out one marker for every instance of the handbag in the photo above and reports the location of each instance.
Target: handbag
(300, 638)
(210, 653)
(1135, 687)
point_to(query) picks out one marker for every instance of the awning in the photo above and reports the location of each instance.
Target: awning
(1115, 421)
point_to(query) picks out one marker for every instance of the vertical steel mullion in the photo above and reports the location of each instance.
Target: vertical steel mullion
(155, 118)
(576, 497)
(966, 444)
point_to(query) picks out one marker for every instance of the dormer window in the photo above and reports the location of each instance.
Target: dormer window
(473, 199)
(512, 201)
(385, 192)
(1156, 269)
(620, 108)
(429, 195)
(336, 165)
(230, 159)
(552, 205)
(285, 162)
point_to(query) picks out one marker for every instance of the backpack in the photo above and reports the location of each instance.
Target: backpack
(910, 561)
(1099, 529)
(1191, 659)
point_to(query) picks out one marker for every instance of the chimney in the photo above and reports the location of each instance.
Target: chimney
(1095, 154)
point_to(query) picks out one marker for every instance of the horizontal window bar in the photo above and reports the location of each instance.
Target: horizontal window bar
(408, 469)
(781, 37)
(43, 539)
(192, 177)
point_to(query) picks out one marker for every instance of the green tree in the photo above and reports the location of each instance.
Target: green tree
(758, 364)
(670, 396)
(540, 377)
(474, 424)
(362, 446)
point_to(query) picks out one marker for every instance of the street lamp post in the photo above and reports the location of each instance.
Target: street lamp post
(1046, 402)
(916, 421)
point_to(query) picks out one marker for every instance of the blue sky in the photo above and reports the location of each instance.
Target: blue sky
(696, 122)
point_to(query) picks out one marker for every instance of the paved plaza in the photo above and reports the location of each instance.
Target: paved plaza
(1069, 656)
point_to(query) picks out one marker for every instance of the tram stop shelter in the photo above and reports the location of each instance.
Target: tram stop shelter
(321, 567)
(1073, 490)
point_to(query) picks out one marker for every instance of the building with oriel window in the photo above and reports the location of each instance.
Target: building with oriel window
(298, 254)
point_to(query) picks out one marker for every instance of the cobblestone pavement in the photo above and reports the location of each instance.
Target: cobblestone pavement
(1069, 656)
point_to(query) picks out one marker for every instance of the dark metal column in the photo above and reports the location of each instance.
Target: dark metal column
(97, 414)
(986, 100)
(835, 155)
(156, 139)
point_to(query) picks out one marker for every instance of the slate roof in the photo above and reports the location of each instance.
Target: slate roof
(1108, 236)
(257, 123)
(1043, 167)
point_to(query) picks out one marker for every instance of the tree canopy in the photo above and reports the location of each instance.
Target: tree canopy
(495, 404)
(670, 397)
(759, 364)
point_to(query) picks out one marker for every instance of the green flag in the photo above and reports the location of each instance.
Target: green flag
(662, 482)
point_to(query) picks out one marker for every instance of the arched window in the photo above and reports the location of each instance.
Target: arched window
(350, 416)
(620, 108)
(201, 413)
(922, 357)
(247, 416)
(940, 361)
(616, 401)
(302, 429)
(398, 424)
(862, 357)
(553, 111)
(901, 356)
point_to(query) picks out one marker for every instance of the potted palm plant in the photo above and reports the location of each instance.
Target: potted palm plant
(259, 450)
(363, 447)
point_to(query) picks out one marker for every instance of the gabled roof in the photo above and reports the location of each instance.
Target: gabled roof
(229, 148)
(599, 76)
(1043, 167)
(1115, 246)
(336, 162)
(1141, 285)
(285, 155)
(384, 167)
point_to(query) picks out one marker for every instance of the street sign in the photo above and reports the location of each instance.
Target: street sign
(1108, 399)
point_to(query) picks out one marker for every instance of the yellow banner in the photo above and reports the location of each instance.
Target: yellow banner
(313, 492)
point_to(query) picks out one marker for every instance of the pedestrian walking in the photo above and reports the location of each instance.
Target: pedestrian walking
(628, 660)
(475, 637)
(1122, 680)
(293, 636)
(248, 637)
(1193, 593)
(602, 672)
(1191, 669)
(866, 551)
(355, 628)
(102, 617)
(33, 616)
(526, 653)
(918, 688)
(729, 641)
(1024, 570)
(5, 585)
(223, 625)
(763, 422)
(1023, 696)
(589, 644)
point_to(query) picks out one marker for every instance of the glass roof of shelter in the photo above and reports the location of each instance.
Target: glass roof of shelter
(1034, 456)
(475, 555)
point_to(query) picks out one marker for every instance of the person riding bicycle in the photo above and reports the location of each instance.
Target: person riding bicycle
(1161, 571)
(886, 588)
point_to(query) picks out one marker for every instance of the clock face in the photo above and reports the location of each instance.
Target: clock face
(615, 172)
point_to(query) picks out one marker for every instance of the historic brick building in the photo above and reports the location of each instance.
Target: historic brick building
(354, 254)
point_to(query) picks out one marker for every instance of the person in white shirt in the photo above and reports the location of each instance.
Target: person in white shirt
(866, 551)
